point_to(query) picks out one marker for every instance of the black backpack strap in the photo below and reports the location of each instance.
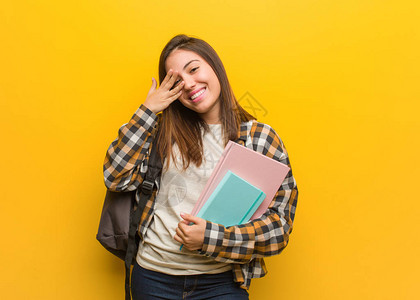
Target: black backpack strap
(154, 169)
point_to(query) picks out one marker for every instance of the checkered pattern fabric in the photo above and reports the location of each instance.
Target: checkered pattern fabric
(245, 245)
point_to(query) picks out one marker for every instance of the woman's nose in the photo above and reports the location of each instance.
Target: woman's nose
(189, 83)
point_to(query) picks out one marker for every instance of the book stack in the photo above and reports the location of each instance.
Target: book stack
(241, 187)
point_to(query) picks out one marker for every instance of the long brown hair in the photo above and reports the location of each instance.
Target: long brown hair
(181, 125)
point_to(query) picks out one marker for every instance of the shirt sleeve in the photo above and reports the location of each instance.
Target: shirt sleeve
(267, 235)
(126, 161)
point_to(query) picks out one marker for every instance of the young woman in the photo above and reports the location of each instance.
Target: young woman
(196, 113)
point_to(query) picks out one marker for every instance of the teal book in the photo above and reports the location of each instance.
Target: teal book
(233, 202)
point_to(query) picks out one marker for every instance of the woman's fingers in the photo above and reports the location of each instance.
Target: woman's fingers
(178, 239)
(169, 80)
(153, 87)
(182, 228)
(170, 83)
(177, 91)
(180, 235)
(159, 99)
(167, 77)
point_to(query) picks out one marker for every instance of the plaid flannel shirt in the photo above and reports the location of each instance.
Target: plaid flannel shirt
(244, 246)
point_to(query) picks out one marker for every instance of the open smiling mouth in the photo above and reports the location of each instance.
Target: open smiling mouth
(197, 96)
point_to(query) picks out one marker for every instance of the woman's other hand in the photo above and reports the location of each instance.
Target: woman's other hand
(160, 98)
(191, 236)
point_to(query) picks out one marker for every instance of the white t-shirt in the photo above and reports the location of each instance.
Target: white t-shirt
(179, 191)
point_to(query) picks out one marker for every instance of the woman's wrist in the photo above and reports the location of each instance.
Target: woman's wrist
(150, 107)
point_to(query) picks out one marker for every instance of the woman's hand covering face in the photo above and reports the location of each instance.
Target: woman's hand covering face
(159, 99)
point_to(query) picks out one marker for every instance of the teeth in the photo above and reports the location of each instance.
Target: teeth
(197, 94)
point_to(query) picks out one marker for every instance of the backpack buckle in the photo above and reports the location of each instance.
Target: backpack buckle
(147, 187)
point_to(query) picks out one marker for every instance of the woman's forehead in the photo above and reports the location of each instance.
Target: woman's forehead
(179, 58)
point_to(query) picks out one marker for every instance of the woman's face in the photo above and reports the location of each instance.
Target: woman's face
(201, 89)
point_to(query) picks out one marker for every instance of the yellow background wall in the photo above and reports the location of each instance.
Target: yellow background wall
(339, 81)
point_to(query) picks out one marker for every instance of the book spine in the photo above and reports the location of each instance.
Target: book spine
(252, 209)
(209, 183)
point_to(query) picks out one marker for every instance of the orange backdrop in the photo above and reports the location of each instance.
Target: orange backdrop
(338, 80)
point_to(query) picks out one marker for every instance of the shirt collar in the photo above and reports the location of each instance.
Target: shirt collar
(242, 133)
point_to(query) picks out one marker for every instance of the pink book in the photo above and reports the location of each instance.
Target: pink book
(261, 171)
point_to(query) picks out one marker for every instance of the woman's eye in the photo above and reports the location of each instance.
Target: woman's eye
(193, 69)
(175, 84)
